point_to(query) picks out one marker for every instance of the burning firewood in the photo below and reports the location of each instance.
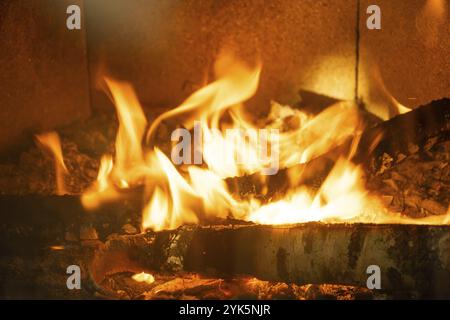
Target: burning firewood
(424, 166)
(420, 137)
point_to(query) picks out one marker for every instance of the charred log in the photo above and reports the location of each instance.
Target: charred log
(397, 137)
(30, 223)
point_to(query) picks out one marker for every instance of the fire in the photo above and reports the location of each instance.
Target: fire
(236, 84)
(50, 142)
(164, 212)
(232, 145)
(341, 198)
(132, 124)
(129, 159)
(102, 191)
(379, 100)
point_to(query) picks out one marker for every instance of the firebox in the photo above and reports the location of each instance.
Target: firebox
(206, 149)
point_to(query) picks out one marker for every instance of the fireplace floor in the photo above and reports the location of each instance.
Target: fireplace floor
(43, 277)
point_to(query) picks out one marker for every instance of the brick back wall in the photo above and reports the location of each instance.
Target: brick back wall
(411, 51)
(165, 48)
(43, 69)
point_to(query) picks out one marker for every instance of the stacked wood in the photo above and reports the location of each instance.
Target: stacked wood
(289, 262)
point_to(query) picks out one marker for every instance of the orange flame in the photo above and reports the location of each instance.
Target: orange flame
(102, 191)
(132, 123)
(379, 100)
(236, 84)
(50, 142)
(129, 159)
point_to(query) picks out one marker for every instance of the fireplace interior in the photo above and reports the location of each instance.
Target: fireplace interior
(225, 150)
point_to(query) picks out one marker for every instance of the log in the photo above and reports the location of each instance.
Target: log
(47, 220)
(394, 136)
(414, 259)
(411, 128)
(410, 166)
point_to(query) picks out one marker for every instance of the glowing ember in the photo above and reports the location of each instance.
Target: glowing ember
(57, 248)
(143, 277)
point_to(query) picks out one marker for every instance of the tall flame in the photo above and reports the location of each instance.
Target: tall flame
(132, 124)
(129, 163)
(377, 96)
(50, 142)
(236, 84)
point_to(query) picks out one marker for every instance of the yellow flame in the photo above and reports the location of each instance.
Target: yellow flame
(447, 217)
(340, 198)
(236, 84)
(214, 193)
(132, 124)
(169, 210)
(103, 190)
(50, 141)
(129, 158)
(377, 97)
(155, 213)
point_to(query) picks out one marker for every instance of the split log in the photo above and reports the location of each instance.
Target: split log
(413, 259)
(410, 166)
(394, 136)
(48, 220)
(411, 128)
